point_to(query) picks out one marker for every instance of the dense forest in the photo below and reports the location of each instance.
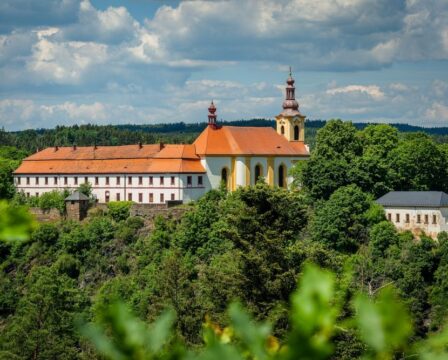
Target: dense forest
(88, 135)
(314, 272)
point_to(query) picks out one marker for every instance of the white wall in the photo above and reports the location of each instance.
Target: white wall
(122, 188)
(430, 228)
(213, 166)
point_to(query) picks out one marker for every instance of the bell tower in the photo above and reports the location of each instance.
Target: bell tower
(290, 122)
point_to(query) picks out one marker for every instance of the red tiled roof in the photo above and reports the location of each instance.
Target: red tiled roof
(234, 140)
(113, 160)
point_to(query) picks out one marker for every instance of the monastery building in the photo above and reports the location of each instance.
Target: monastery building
(156, 173)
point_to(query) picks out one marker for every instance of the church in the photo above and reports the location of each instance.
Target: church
(157, 173)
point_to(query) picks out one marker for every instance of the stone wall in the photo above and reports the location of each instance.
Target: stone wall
(46, 215)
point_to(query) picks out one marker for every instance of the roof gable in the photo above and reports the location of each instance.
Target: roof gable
(414, 199)
(235, 140)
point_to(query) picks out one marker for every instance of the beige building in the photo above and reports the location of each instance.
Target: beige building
(417, 211)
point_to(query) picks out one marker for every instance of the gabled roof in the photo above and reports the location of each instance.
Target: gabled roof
(96, 152)
(414, 199)
(128, 159)
(235, 140)
(77, 196)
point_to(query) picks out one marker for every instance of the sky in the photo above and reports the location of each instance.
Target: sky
(65, 62)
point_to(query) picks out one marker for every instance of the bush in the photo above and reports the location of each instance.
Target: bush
(53, 200)
(119, 210)
(46, 234)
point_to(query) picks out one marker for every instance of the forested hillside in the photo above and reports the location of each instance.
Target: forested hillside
(65, 288)
(88, 135)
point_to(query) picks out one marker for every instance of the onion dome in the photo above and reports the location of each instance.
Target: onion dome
(290, 104)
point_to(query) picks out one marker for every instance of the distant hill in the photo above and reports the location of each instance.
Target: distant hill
(198, 127)
(174, 133)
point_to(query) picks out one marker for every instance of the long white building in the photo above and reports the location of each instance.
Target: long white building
(157, 173)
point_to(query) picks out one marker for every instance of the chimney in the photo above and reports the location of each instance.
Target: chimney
(162, 145)
(56, 148)
(140, 145)
(74, 146)
(95, 147)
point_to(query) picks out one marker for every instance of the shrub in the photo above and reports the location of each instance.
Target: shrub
(119, 210)
(53, 199)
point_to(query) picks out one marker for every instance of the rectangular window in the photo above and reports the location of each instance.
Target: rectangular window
(55, 180)
(18, 180)
(96, 180)
(189, 180)
(434, 219)
(107, 180)
(76, 180)
(27, 180)
(162, 198)
(407, 218)
(118, 180)
(65, 180)
(118, 197)
(161, 180)
(140, 180)
(46, 180)
(172, 180)
(130, 197)
(107, 196)
(151, 180)
(37, 180)
(200, 180)
(151, 197)
(173, 197)
(27, 194)
(389, 216)
(130, 180)
(86, 180)
(426, 219)
(37, 194)
(419, 219)
(397, 218)
(140, 197)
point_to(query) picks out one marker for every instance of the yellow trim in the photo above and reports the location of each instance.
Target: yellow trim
(233, 170)
(270, 171)
(247, 163)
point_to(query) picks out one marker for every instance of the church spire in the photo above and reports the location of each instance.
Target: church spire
(290, 105)
(290, 122)
(211, 114)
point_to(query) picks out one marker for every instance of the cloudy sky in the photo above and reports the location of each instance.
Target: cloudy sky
(153, 61)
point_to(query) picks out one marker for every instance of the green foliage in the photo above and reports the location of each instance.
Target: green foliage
(342, 221)
(119, 210)
(53, 200)
(16, 223)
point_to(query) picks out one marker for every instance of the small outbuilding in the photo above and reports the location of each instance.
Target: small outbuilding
(76, 206)
(417, 211)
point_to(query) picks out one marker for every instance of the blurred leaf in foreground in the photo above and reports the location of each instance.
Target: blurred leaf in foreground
(16, 223)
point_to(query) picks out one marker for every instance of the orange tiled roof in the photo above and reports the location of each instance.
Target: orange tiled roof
(99, 152)
(113, 160)
(234, 140)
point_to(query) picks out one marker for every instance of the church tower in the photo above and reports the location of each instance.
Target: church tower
(290, 122)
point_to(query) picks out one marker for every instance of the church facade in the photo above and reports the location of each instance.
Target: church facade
(157, 173)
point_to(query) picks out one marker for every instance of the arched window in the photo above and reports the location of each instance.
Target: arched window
(258, 172)
(224, 176)
(282, 130)
(282, 176)
(296, 132)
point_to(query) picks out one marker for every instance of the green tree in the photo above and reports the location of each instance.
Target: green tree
(342, 222)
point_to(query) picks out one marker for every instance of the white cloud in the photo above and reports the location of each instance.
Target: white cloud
(373, 91)
(438, 113)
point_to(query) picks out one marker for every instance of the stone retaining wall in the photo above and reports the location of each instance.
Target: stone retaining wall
(46, 215)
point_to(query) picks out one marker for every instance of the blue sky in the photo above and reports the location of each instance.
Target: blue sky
(153, 61)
